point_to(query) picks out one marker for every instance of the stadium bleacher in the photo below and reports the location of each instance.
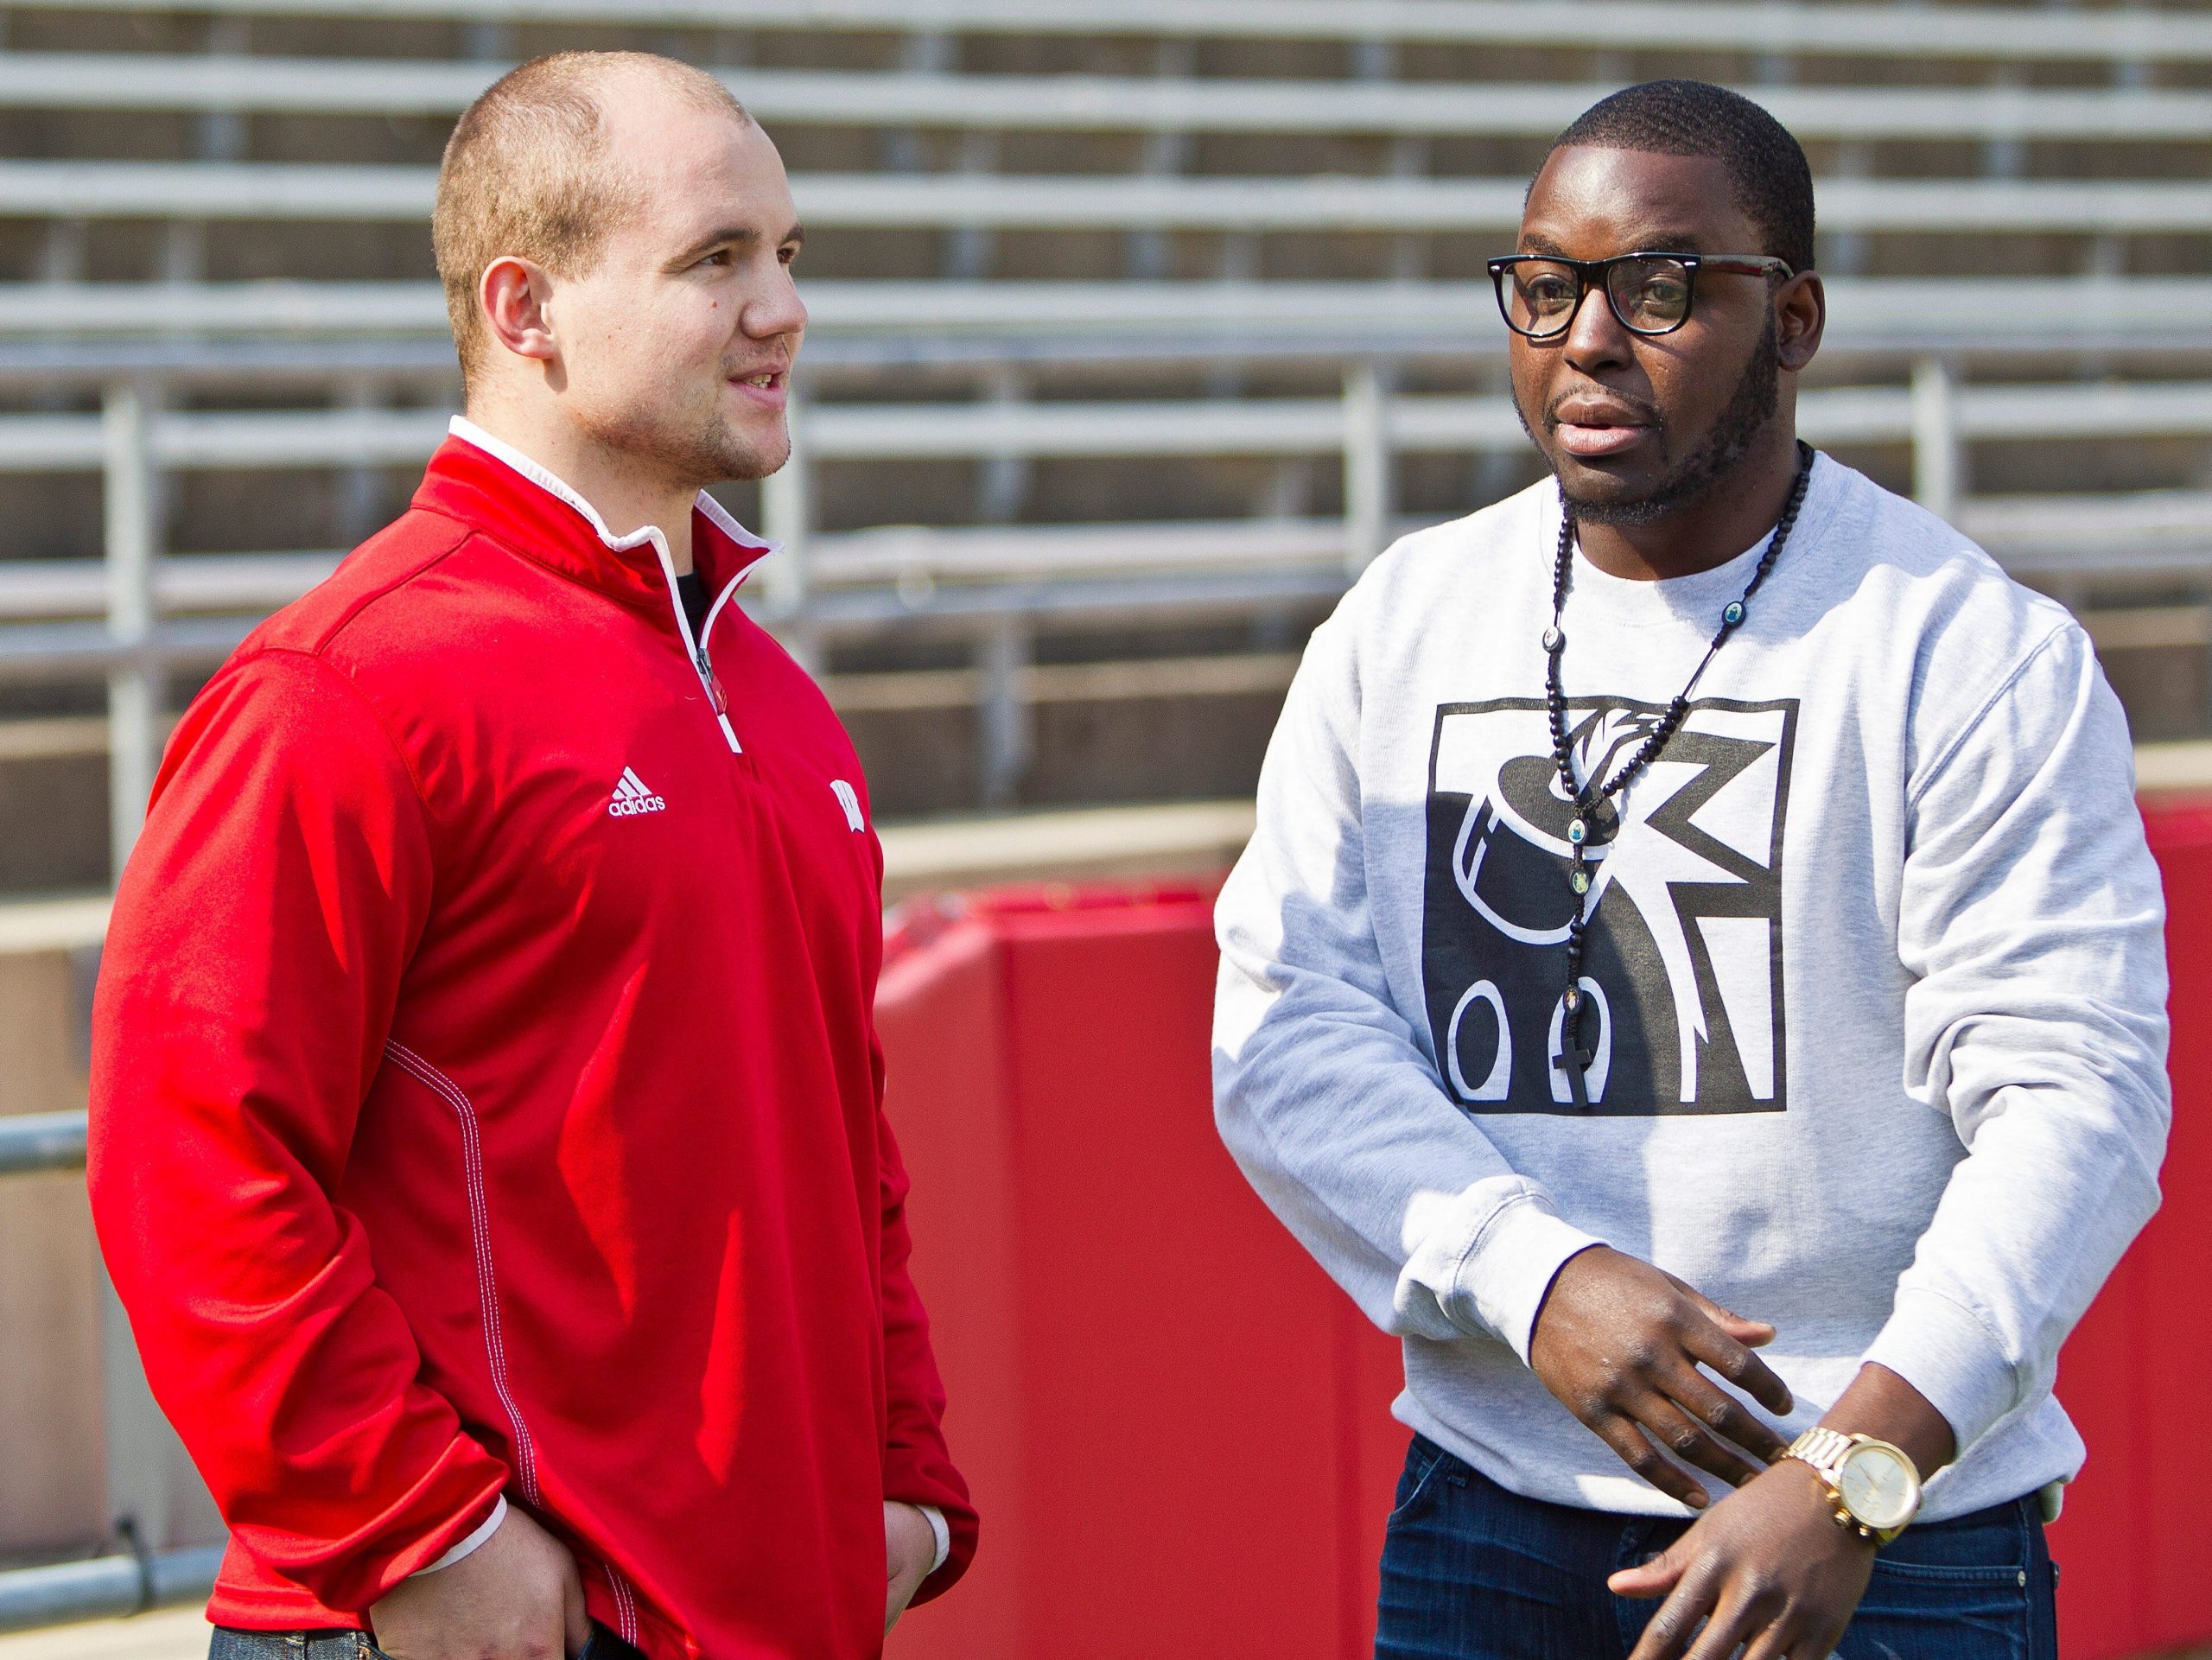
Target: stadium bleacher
(1138, 329)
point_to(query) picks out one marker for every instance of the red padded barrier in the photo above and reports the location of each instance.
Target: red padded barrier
(2137, 1375)
(1177, 1429)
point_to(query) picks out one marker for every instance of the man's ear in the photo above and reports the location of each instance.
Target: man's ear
(1801, 314)
(514, 294)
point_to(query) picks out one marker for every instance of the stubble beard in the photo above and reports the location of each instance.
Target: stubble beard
(692, 453)
(1750, 407)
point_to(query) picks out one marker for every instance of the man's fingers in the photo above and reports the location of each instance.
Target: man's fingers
(1732, 1361)
(1819, 1643)
(1732, 1624)
(1636, 1451)
(1681, 1434)
(1718, 1410)
(1676, 1624)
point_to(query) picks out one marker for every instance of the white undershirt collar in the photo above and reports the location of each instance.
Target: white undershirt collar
(499, 450)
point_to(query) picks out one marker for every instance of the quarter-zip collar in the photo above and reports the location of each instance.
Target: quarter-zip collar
(486, 481)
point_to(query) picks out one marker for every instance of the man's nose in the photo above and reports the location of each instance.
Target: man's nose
(1594, 334)
(776, 310)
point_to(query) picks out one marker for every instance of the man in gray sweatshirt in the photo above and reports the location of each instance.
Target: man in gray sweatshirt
(1698, 980)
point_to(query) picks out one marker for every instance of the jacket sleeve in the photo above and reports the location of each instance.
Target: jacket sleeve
(259, 938)
(1321, 1087)
(2032, 918)
(917, 1467)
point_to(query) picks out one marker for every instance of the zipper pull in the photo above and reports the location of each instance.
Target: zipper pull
(714, 686)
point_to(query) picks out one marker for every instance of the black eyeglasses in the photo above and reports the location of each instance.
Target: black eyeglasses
(1649, 293)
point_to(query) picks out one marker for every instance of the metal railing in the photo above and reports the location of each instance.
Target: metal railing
(40, 1143)
(33, 1142)
(131, 616)
(105, 1587)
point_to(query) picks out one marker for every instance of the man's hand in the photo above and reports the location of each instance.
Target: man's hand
(1619, 1343)
(515, 1597)
(1767, 1568)
(909, 1549)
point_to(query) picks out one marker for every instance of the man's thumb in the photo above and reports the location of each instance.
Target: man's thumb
(1652, 1578)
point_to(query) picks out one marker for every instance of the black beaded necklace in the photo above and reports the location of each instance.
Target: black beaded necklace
(1574, 1059)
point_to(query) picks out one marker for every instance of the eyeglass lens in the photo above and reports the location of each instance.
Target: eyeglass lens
(1651, 296)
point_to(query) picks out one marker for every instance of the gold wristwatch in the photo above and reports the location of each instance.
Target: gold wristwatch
(1873, 1487)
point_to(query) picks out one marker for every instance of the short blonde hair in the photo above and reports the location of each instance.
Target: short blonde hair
(527, 173)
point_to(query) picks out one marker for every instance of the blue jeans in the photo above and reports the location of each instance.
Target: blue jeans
(229, 1643)
(1472, 1572)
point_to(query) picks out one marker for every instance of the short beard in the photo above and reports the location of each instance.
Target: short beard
(1749, 411)
(705, 454)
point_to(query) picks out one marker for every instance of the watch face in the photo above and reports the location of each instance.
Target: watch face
(1878, 1486)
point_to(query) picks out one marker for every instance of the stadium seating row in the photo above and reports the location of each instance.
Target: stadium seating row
(268, 190)
(1095, 103)
(1859, 31)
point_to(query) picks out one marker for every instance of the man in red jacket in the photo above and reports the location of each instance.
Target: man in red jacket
(487, 1131)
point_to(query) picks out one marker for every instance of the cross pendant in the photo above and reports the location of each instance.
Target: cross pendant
(1575, 1060)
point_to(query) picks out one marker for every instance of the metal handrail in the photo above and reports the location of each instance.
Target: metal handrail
(31, 1142)
(106, 1586)
(1418, 423)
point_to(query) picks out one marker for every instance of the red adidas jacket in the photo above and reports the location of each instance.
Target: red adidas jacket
(486, 1095)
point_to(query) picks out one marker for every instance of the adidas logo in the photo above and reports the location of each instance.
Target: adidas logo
(631, 797)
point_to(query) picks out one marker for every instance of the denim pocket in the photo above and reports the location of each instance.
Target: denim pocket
(229, 1643)
(1979, 1588)
(1428, 1466)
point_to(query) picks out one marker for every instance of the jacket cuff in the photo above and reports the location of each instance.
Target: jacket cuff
(1508, 1266)
(1946, 1352)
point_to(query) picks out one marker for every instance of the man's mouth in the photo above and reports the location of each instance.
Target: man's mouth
(766, 386)
(1592, 429)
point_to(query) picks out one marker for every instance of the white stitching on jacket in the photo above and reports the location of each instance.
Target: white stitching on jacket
(626, 1605)
(480, 1228)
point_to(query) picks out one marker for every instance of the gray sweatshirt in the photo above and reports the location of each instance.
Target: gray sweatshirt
(1877, 989)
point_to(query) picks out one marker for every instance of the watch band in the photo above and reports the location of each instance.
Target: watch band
(1825, 1450)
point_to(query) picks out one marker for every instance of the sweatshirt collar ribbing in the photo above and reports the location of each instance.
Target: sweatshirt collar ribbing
(484, 481)
(1695, 599)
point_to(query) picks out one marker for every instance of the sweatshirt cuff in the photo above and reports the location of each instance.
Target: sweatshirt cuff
(1510, 1264)
(476, 1537)
(1944, 1350)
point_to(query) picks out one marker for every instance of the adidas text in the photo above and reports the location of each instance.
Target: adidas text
(632, 798)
